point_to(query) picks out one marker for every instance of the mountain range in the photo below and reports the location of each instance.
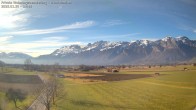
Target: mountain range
(164, 51)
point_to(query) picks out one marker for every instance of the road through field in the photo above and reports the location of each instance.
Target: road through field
(37, 105)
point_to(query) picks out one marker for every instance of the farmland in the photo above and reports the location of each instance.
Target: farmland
(132, 88)
(18, 79)
(175, 90)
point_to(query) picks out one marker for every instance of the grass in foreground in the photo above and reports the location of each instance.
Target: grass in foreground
(9, 105)
(175, 91)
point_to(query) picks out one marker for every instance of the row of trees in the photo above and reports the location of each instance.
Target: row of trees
(88, 68)
(48, 94)
(29, 66)
(52, 91)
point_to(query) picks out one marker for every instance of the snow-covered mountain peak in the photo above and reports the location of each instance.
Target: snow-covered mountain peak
(145, 42)
(141, 42)
(110, 45)
(182, 38)
(69, 49)
(100, 46)
(166, 38)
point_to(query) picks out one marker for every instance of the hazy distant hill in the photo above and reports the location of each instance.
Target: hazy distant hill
(1, 63)
(13, 57)
(163, 51)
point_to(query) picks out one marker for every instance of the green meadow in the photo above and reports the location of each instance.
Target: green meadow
(174, 90)
(5, 104)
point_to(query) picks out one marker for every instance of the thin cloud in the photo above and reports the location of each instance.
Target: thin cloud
(76, 25)
(11, 18)
(115, 37)
(56, 38)
(5, 39)
(113, 23)
(36, 48)
(118, 36)
(187, 28)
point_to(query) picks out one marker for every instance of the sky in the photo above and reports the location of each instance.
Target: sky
(44, 28)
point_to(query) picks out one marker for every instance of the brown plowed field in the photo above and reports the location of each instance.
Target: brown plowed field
(115, 77)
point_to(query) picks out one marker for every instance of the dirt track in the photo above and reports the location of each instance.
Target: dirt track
(116, 77)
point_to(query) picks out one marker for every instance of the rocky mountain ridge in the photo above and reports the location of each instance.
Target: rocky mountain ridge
(166, 50)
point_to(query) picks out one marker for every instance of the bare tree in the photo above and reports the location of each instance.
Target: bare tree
(52, 89)
(2, 65)
(15, 96)
(46, 95)
(58, 90)
(52, 92)
(28, 64)
(55, 83)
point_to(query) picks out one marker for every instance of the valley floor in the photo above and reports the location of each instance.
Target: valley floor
(174, 91)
